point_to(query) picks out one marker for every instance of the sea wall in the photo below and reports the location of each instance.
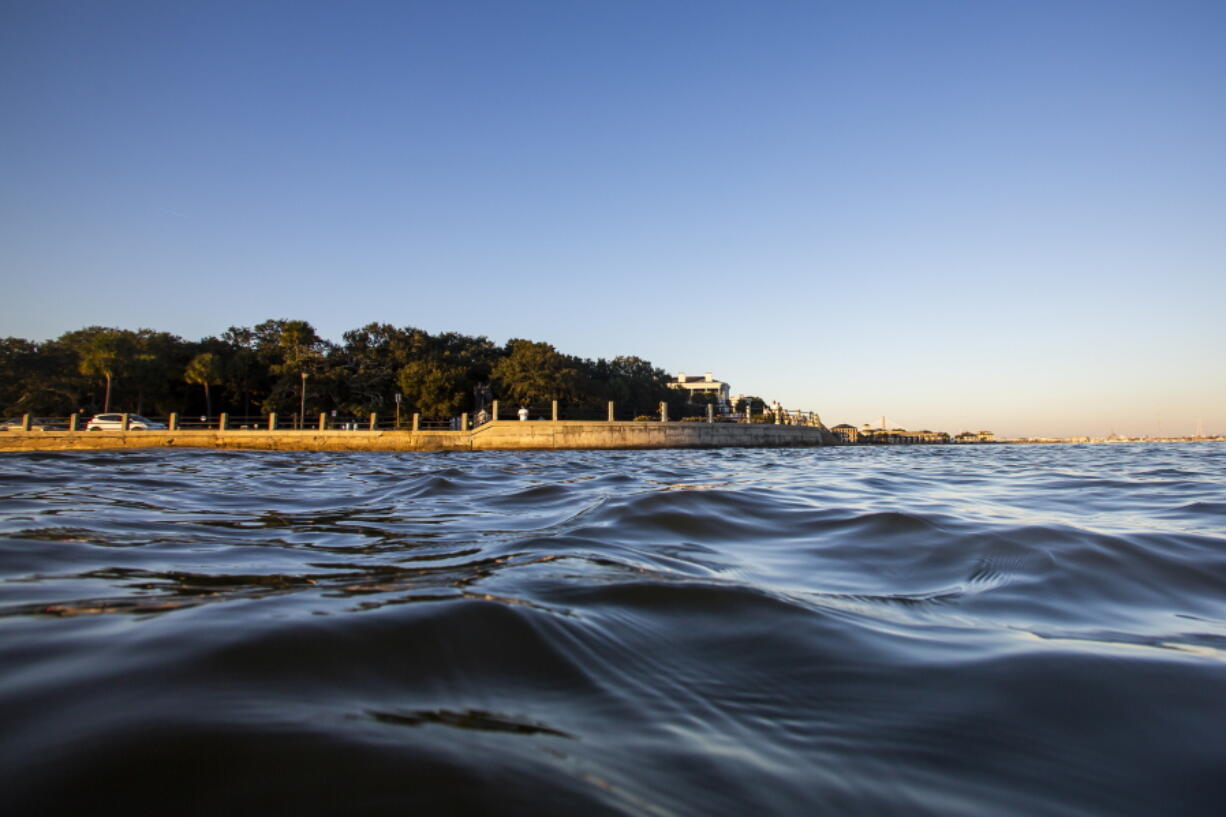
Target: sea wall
(496, 436)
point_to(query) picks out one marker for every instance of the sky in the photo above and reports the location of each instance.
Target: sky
(957, 215)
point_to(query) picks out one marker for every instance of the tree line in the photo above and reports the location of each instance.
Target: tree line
(260, 369)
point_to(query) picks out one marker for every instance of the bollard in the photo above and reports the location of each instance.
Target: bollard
(710, 413)
(172, 422)
(323, 420)
(223, 421)
(74, 422)
(374, 421)
(124, 419)
(25, 422)
(664, 412)
(464, 421)
(494, 410)
(555, 411)
(611, 415)
(416, 422)
(272, 421)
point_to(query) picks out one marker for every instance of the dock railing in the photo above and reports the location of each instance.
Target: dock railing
(498, 410)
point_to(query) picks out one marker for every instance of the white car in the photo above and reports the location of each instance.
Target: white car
(114, 422)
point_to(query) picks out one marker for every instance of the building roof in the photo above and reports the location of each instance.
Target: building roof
(695, 378)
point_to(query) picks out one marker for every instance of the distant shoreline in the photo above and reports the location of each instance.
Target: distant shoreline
(1109, 440)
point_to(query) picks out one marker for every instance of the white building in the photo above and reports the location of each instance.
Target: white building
(705, 385)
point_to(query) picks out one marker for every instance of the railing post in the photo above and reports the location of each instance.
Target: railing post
(494, 410)
(74, 421)
(124, 419)
(323, 420)
(272, 421)
(555, 411)
(374, 421)
(223, 421)
(25, 422)
(416, 422)
(611, 414)
(663, 412)
(464, 421)
(710, 413)
(172, 422)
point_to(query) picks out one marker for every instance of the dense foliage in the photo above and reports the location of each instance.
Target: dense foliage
(265, 368)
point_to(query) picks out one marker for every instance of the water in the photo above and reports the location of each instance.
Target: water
(977, 631)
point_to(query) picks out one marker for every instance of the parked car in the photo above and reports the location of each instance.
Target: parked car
(36, 424)
(112, 422)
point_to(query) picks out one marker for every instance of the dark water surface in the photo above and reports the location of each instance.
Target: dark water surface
(991, 630)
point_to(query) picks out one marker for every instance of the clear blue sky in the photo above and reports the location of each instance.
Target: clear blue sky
(1005, 215)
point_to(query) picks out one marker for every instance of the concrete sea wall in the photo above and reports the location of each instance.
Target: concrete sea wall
(502, 435)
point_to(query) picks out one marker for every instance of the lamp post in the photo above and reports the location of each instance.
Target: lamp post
(302, 403)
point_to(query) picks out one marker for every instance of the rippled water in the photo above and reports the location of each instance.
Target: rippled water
(991, 630)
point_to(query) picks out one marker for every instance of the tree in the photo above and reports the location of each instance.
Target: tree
(246, 372)
(750, 405)
(640, 386)
(103, 355)
(434, 387)
(535, 372)
(262, 369)
(37, 378)
(205, 370)
(290, 348)
(154, 369)
(370, 360)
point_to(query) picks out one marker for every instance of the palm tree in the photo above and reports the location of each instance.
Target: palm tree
(101, 357)
(204, 370)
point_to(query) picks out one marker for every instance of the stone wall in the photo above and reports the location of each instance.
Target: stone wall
(501, 435)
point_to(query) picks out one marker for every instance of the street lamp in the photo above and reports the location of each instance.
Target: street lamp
(302, 404)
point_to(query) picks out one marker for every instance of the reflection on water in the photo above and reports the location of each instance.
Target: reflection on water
(942, 630)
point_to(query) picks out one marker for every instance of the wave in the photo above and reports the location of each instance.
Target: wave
(978, 631)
